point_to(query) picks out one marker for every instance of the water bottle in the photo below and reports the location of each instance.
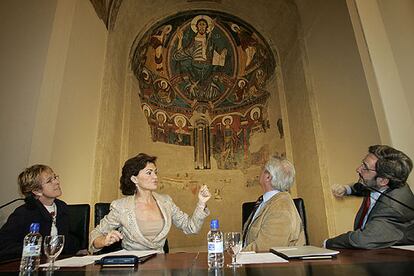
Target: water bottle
(32, 245)
(215, 246)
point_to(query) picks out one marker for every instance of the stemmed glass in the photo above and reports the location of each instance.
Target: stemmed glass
(53, 245)
(233, 243)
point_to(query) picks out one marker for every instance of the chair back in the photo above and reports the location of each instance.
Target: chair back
(101, 210)
(300, 206)
(79, 217)
(247, 208)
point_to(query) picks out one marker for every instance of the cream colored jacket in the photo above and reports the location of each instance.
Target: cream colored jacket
(122, 217)
(277, 224)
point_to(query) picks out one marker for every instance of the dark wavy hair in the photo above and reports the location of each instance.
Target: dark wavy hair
(132, 167)
(392, 164)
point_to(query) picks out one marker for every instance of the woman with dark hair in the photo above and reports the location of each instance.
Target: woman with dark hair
(143, 218)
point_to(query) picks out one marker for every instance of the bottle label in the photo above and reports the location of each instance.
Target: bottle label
(31, 250)
(215, 247)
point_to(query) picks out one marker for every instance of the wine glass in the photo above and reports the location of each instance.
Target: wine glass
(53, 245)
(233, 243)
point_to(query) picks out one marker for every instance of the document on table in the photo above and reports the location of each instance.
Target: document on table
(405, 247)
(90, 259)
(258, 258)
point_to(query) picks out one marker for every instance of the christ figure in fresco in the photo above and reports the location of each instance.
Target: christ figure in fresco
(200, 52)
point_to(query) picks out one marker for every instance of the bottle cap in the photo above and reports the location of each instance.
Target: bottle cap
(214, 224)
(34, 227)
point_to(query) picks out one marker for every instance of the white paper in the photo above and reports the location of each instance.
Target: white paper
(90, 259)
(405, 247)
(258, 258)
(74, 261)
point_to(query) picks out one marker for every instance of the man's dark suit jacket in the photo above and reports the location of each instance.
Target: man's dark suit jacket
(17, 226)
(389, 223)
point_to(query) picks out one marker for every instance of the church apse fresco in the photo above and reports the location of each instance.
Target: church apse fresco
(202, 78)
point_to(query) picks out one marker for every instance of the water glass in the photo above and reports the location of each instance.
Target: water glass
(53, 246)
(233, 243)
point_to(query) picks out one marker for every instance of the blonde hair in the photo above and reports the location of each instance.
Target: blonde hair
(28, 179)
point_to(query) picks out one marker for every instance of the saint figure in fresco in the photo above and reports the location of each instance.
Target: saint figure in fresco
(201, 51)
(228, 140)
(161, 133)
(182, 136)
(157, 41)
(240, 91)
(247, 42)
(164, 91)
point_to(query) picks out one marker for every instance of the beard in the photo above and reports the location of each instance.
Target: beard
(372, 183)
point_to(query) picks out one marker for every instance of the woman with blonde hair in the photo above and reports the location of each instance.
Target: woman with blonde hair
(41, 188)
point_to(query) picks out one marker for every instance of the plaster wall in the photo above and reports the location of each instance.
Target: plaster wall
(341, 104)
(52, 72)
(75, 139)
(385, 39)
(23, 55)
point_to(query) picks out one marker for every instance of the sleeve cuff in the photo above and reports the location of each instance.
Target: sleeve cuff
(348, 190)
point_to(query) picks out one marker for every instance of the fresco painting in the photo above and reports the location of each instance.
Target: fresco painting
(202, 77)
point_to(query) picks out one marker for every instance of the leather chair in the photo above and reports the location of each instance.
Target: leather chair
(300, 206)
(247, 208)
(79, 217)
(101, 210)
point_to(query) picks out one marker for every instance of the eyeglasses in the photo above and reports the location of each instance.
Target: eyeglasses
(365, 167)
(51, 179)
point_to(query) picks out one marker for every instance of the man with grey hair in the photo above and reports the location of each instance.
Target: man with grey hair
(275, 220)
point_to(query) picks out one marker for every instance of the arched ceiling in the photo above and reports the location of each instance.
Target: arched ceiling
(280, 18)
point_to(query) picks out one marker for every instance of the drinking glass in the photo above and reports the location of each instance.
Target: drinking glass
(53, 245)
(233, 243)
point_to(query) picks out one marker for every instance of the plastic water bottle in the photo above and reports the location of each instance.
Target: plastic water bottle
(215, 246)
(32, 245)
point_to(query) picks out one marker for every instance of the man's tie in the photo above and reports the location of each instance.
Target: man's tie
(250, 218)
(366, 204)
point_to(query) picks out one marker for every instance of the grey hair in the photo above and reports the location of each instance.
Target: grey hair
(282, 172)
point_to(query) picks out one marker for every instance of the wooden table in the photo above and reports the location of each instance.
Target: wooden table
(389, 262)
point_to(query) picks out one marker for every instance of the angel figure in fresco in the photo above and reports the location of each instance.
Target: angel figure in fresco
(199, 53)
(256, 88)
(157, 41)
(247, 42)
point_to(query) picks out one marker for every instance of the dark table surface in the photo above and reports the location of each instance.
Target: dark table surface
(390, 262)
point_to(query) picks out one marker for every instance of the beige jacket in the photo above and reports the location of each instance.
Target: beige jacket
(122, 217)
(277, 224)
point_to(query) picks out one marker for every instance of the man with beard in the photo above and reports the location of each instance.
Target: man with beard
(386, 215)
